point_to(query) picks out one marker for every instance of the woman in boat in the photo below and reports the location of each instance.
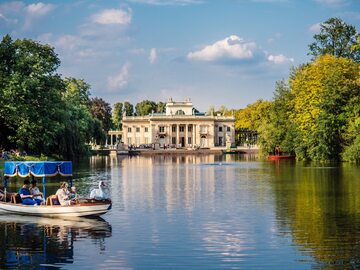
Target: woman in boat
(26, 196)
(63, 194)
(34, 190)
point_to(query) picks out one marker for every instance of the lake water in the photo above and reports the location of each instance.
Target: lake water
(198, 212)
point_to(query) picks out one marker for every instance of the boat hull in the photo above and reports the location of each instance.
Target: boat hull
(276, 157)
(94, 208)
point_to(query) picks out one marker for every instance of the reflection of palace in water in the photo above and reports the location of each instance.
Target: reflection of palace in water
(180, 178)
(32, 242)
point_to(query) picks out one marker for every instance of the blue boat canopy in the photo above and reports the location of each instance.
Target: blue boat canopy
(37, 168)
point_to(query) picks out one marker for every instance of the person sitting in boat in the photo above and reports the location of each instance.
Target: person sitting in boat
(63, 194)
(34, 190)
(26, 196)
(73, 195)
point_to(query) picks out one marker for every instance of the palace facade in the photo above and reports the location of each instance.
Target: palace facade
(180, 126)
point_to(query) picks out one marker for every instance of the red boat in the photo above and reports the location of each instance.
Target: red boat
(280, 157)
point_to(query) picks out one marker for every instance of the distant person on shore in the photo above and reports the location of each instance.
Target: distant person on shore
(26, 196)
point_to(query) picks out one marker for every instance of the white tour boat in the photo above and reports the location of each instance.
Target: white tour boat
(11, 202)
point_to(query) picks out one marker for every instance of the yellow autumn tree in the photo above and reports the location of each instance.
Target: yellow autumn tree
(323, 92)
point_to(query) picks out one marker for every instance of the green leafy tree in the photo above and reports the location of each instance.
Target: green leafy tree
(129, 108)
(117, 115)
(31, 95)
(80, 126)
(145, 107)
(275, 128)
(336, 38)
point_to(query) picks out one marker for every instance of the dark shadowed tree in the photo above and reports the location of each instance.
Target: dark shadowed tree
(101, 110)
(128, 108)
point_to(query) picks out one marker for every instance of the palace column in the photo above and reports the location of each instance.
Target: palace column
(177, 135)
(168, 133)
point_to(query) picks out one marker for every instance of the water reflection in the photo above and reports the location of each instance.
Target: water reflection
(31, 242)
(320, 206)
(201, 212)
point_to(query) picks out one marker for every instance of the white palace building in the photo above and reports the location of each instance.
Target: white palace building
(179, 126)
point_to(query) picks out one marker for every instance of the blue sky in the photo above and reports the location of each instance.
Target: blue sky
(216, 52)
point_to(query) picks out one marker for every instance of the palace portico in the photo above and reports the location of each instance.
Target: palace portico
(179, 126)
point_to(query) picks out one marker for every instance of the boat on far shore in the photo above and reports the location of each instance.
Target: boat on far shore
(281, 157)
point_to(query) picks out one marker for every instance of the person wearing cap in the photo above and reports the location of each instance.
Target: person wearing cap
(34, 190)
(26, 196)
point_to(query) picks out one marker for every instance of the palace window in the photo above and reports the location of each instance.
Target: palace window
(189, 128)
(146, 129)
(228, 129)
(162, 129)
(137, 129)
(189, 140)
(129, 130)
(220, 129)
(181, 128)
(180, 112)
(173, 140)
(173, 128)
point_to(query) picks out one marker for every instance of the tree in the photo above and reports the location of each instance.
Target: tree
(251, 117)
(117, 115)
(129, 108)
(7, 62)
(101, 110)
(31, 95)
(145, 107)
(211, 110)
(223, 109)
(80, 126)
(336, 38)
(160, 107)
(324, 95)
(276, 129)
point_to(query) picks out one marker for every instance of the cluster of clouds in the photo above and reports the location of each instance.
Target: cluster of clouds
(104, 32)
(235, 48)
(15, 11)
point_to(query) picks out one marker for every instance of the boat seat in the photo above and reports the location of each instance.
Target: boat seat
(52, 200)
(16, 198)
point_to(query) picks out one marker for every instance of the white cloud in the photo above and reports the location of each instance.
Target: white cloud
(279, 59)
(113, 16)
(230, 48)
(17, 11)
(39, 9)
(315, 28)
(168, 2)
(153, 56)
(119, 80)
